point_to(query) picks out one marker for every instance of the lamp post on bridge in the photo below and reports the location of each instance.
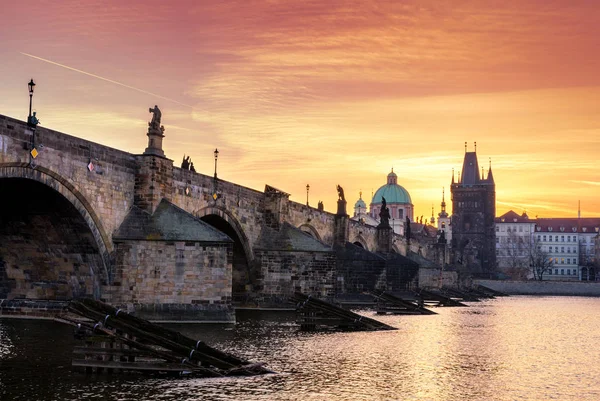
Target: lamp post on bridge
(216, 152)
(307, 188)
(215, 195)
(32, 121)
(31, 84)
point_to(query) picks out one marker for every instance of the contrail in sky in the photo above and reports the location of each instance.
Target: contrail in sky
(106, 79)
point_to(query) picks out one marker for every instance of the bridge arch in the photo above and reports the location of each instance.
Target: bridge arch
(243, 257)
(359, 240)
(17, 175)
(310, 230)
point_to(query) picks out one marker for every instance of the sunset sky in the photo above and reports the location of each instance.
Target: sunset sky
(327, 92)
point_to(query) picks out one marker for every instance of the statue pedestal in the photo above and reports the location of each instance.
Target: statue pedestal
(341, 209)
(155, 137)
(384, 238)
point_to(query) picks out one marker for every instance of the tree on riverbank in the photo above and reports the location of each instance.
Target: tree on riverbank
(514, 254)
(540, 261)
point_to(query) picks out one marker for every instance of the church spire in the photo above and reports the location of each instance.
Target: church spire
(490, 177)
(443, 204)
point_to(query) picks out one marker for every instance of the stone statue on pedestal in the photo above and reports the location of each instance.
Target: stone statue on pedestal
(155, 123)
(384, 214)
(155, 134)
(156, 116)
(340, 193)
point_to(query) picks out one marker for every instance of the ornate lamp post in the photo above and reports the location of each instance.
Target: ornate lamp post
(216, 156)
(307, 188)
(215, 195)
(31, 84)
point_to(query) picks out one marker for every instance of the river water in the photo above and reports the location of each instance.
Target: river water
(517, 348)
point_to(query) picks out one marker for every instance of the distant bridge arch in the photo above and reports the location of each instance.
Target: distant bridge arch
(359, 240)
(310, 230)
(243, 275)
(232, 221)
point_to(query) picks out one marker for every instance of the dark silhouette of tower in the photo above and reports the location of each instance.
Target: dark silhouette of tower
(473, 212)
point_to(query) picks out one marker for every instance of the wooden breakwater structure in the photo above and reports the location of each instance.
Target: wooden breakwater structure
(490, 291)
(115, 341)
(458, 294)
(431, 298)
(316, 314)
(391, 304)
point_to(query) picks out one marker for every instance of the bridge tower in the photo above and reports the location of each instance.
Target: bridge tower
(473, 213)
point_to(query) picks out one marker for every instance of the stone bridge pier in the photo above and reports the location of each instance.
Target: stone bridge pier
(79, 219)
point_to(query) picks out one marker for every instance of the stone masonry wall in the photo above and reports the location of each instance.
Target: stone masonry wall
(285, 272)
(192, 280)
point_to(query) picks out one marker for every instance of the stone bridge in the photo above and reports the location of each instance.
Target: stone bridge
(83, 219)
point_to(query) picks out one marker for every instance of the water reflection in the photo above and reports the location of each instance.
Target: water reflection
(506, 349)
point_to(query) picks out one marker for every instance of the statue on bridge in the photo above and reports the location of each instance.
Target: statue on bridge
(384, 214)
(341, 193)
(185, 164)
(33, 121)
(155, 123)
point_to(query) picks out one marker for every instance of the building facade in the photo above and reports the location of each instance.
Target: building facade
(571, 245)
(514, 242)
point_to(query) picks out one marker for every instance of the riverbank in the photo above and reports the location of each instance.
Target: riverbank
(558, 288)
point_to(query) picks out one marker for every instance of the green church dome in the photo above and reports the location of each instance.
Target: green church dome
(392, 192)
(360, 203)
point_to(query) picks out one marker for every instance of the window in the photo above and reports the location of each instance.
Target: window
(539, 237)
(562, 261)
(562, 272)
(549, 238)
(568, 272)
(562, 249)
(502, 228)
(568, 261)
(508, 229)
(497, 240)
(568, 238)
(497, 228)
(562, 238)
(568, 249)
(550, 272)
(556, 249)
(520, 229)
(555, 271)
(556, 238)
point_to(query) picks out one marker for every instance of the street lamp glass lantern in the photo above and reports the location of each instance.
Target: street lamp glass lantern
(31, 84)
(216, 153)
